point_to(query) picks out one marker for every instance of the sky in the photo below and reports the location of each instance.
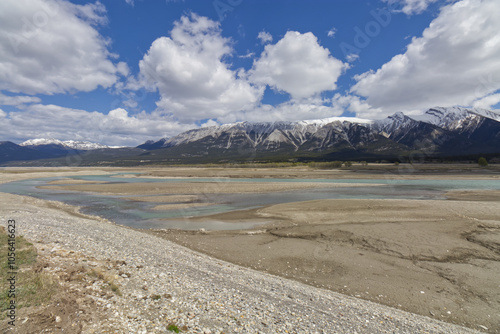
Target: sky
(121, 72)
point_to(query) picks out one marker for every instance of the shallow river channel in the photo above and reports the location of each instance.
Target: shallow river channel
(140, 214)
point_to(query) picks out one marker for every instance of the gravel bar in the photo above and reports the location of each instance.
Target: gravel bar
(205, 295)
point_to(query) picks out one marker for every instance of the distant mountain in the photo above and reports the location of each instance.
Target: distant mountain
(72, 144)
(456, 117)
(41, 148)
(266, 136)
(438, 132)
(13, 152)
(152, 145)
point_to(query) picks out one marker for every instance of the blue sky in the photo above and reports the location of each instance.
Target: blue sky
(120, 72)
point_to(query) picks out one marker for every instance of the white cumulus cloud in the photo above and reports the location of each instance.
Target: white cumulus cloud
(53, 46)
(115, 128)
(265, 37)
(17, 100)
(455, 62)
(298, 65)
(190, 74)
(487, 102)
(356, 105)
(311, 108)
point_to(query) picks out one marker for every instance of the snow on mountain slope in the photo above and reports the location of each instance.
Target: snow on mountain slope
(41, 141)
(487, 113)
(324, 121)
(294, 133)
(397, 122)
(453, 118)
(72, 144)
(436, 124)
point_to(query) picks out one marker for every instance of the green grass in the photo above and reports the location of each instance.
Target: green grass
(173, 328)
(33, 288)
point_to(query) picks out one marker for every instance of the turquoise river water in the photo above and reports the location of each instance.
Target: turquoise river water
(140, 214)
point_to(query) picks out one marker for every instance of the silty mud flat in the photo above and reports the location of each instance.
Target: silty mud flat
(438, 258)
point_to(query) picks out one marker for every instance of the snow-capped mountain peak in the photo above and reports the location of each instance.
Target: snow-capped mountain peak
(41, 141)
(487, 113)
(442, 116)
(72, 144)
(260, 130)
(453, 133)
(324, 121)
(452, 118)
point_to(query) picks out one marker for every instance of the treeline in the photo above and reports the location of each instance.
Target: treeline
(311, 164)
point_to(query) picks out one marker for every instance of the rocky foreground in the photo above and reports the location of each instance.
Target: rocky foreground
(161, 285)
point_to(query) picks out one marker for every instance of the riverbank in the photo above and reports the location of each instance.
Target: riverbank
(163, 284)
(439, 258)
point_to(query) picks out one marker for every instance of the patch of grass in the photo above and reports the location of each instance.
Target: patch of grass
(25, 252)
(109, 281)
(115, 289)
(173, 328)
(33, 288)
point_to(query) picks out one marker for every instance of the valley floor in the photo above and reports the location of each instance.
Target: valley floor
(437, 258)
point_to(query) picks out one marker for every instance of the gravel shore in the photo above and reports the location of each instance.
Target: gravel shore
(163, 283)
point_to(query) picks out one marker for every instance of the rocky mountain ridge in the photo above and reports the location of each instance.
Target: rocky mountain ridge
(438, 133)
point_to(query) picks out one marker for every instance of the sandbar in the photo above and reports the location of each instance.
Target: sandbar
(164, 199)
(193, 188)
(180, 206)
(74, 181)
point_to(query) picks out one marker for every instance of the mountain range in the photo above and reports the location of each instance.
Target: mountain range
(69, 144)
(438, 133)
